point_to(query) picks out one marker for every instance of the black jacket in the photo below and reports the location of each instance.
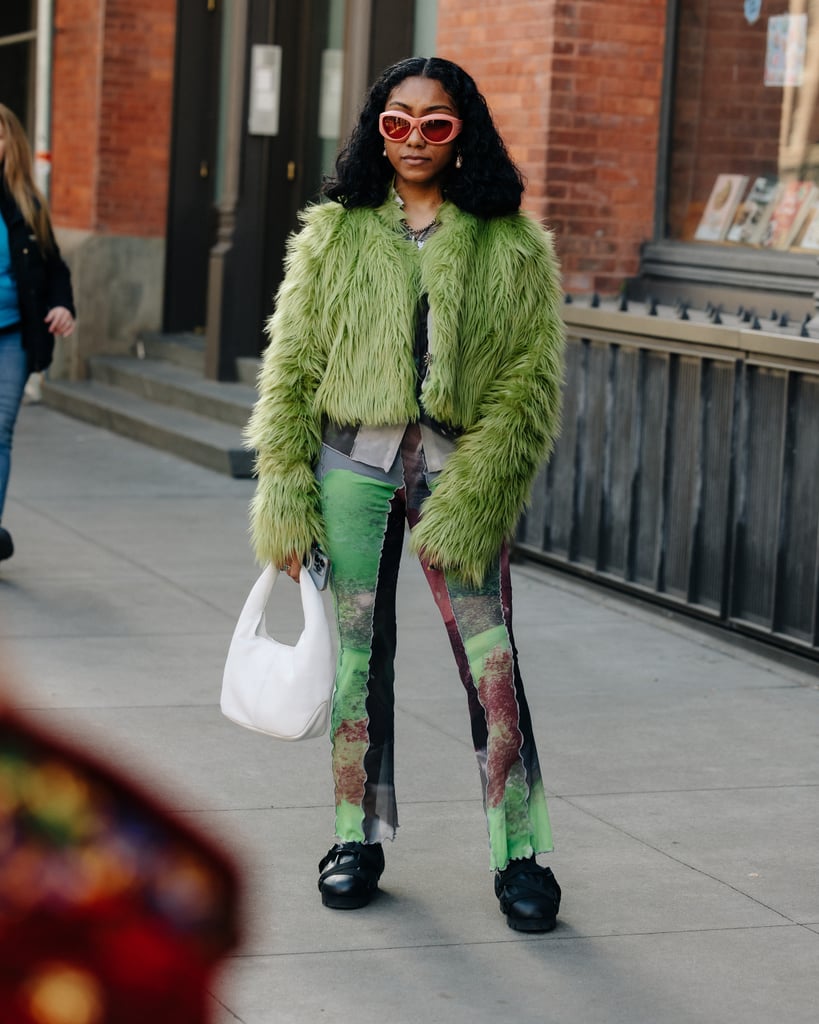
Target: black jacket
(43, 282)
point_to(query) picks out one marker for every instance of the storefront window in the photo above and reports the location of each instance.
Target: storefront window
(744, 160)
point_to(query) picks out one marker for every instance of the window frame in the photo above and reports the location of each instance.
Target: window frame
(699, 263)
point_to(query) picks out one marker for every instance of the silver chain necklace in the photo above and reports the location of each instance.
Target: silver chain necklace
(419, 235)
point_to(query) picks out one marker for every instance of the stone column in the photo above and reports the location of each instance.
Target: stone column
(234, 75)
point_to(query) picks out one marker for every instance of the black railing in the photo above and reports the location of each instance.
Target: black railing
(688, 470)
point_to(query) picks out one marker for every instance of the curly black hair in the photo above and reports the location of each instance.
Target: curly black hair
(487, 184)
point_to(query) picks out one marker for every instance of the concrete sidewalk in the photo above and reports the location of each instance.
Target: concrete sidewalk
(683, 771)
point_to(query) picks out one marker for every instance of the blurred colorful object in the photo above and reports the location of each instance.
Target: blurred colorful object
(112, 911)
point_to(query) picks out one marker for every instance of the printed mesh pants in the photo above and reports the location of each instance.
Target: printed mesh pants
(365, 511)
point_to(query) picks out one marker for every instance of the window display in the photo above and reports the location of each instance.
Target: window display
(744, 162)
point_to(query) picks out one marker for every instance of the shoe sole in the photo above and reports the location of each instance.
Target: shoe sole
(544, 924)
(346, 902)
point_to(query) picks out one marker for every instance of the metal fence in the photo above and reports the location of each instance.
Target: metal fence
(688, 471)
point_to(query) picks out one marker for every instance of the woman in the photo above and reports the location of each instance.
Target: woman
(414, 373)
(35, 289)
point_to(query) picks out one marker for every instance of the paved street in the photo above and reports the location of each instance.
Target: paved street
(683, 770)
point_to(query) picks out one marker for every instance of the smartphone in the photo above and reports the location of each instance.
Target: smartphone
(318, 565)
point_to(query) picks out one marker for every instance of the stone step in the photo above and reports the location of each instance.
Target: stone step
(186, 350)
(247, 370)
(198, 439)
(172, 384)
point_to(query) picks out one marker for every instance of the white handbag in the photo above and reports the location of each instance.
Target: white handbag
(271, 687)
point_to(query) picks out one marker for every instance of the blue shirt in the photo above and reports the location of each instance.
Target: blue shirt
(9, 303)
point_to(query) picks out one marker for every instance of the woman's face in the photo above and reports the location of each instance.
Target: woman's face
(416, 161)
(2, 142)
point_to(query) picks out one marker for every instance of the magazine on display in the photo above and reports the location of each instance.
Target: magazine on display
(719, 210)
(810, 231)
(752, 213)
(793, 202)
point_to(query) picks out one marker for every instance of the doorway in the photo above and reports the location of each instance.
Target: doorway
(280, 167)
(191, 215)
(287, 134)
(292, 160)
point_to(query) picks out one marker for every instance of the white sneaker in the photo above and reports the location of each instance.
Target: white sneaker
(33, 391)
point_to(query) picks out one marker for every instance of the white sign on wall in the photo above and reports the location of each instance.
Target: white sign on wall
(265, 89)
(785, 54)
(332, 78)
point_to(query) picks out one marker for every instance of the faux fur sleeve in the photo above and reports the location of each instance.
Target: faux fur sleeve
(485, 484)
(284, 428)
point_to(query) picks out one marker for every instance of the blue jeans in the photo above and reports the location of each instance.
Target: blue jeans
(13, 376)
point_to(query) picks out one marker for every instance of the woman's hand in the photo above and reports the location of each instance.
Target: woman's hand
(292, 566)
(60, 321)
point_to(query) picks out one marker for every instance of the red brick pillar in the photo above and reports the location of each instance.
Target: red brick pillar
(111, 114)
(575, 88)
(112, 101)
(75, 118)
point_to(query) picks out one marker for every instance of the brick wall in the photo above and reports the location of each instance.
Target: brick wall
(507, 48)
(111, 115)
(75, 111)
(575, 87)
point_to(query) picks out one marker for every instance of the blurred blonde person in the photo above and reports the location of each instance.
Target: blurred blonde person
(36, 301)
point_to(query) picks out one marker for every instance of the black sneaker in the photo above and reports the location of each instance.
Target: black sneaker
(6, 545)
(349, 875)
(529, 895)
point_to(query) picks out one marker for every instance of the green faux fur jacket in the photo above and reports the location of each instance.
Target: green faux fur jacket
(341, 348)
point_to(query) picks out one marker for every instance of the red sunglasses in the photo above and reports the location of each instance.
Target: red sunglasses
(436, 129)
